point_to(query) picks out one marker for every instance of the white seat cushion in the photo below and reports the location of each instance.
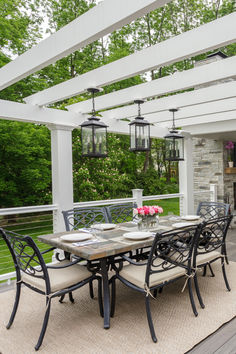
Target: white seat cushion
(207, 257)
(136, 275)
(59, 278)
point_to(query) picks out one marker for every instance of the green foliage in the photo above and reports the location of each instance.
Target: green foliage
(24, 164)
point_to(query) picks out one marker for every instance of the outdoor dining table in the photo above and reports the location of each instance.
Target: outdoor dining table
(108, 243)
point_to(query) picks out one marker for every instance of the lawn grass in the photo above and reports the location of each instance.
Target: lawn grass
(168, 205)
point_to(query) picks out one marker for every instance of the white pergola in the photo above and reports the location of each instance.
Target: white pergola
(209, 111)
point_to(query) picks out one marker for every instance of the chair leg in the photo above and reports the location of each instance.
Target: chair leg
(113, 296)
(71, 297)
(17, 298)
(204, 271)
(62, 298)
(45, 323)
(91, 289)
(198, 292)
(224, 275)
(100, 302)
(149, 318)
(155, 292)
(160, 290)
(190, 290)
(212, 273)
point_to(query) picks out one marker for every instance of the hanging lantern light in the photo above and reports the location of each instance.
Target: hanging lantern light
(94, 133)
(174, 142)
(139, 132)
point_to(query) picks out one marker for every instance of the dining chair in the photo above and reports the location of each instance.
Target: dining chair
(212, 210)
(84, 217)
(119, 213)
(211, 247)
(49, 280)
(170, 259)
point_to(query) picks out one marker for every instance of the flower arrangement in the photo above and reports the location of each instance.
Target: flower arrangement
(230, 146)
(148, 210)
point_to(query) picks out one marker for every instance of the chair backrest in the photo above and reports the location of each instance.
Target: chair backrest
(212, 210)
(172, 249)
(84, 217)
(213, 235)
(119, 213)
(26, 256)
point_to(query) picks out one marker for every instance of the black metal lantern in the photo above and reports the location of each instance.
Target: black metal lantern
(139, 132)
(94, 133)
(174, 142)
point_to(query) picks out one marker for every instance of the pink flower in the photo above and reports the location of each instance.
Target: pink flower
(229, 145)
(160, 210)
(142, 212)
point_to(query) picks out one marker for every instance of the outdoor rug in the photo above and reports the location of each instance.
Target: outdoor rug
(78, 328)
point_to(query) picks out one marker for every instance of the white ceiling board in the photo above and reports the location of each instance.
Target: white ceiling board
(224, 130)
(205, 74)
(104, 18)
(185, 45)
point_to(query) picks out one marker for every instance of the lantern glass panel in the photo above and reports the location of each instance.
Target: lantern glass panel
(174, 148)
(142, 136)
(100, 140)
(87, 140)
(132, 137)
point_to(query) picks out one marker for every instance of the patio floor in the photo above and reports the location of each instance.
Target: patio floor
(224, 339)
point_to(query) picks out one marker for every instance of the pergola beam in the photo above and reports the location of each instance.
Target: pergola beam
(167, 52)
(181, 100)
(183, 80)
(34, 114)
(94, 24)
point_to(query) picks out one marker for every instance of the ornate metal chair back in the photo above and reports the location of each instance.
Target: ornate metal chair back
(213, 234)
(172, 249)
(212, 210)
(119, 213)
(26, 256)
(84, 217)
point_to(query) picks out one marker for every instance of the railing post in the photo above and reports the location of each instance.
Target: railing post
(213, 194)
(62, 173)
(138, 195)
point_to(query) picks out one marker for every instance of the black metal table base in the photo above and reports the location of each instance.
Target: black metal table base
(106, 292)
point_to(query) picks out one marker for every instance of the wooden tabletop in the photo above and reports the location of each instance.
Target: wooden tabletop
(110, 242)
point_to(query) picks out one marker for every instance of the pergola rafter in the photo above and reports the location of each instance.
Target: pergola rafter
(167, 52)
(87, 28)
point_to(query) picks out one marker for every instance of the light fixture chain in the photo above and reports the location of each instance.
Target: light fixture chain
(93, 100)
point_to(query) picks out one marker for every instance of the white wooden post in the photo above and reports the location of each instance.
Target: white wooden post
(213, 194)
(62, 173)
(186, 177)
(138, 195)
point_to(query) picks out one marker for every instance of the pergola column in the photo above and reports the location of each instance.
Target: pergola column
(186, 177)
(62, 172)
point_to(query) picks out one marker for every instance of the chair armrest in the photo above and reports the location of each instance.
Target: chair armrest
(125, 258)
(66, 265)
(50, 249)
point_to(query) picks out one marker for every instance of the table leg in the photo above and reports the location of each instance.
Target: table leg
(106, 293)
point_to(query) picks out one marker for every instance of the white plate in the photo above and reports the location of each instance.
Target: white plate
(190, 217)
(76, 237)
(182, 224)
(104, 226)
(137, 235)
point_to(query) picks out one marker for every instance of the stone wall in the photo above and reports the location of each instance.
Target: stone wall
(208, 163)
